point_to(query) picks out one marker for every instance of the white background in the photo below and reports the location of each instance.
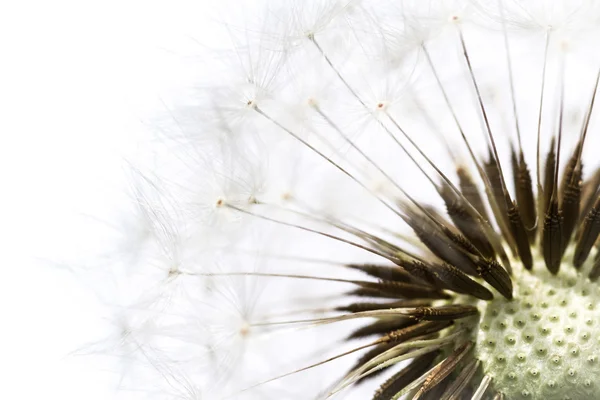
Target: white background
(77, 79)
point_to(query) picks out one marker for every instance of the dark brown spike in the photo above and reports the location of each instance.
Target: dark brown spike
(391, 273)
(524, 192)
(465, 222)
(552, 238)
(520, 236)
(514, 163)
(595, 272)
(455, 235)
(589, 234)
(452, 232)
(444, 369)
(421, 271)
(500, 210)
(407, 375)
(549, 171)
(504, 260)
(457, 281)
(496, 276)
(442, 313)
(571, 198)
(370, 292)
(405, 290)
(381, 326)
(553, 245)
(370, 306)
(446, 276)
(440, 245)
(572, 168)
(463, 243)
(410, 332)
(375, 292)
(589, 191)
(570, 193)
(471, 192)
(454, 390)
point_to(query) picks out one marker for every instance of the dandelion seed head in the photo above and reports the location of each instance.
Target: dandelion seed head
(392, 198)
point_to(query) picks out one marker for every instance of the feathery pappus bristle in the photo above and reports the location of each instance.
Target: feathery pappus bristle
(392, 200)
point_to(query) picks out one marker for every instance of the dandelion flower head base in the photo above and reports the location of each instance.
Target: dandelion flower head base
(544, 343)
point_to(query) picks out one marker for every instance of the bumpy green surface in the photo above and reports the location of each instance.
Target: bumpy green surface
(545, 343)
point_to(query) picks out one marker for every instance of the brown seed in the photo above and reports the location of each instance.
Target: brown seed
(382, 326)
(440, 244)
(595, 272)
(391, 273)
(444, 369)
(421, 271)
(465, 222)
(442, 313)
(589, 192)
(370, 306)
(570, 209)
(405, 290)
(495, 275)
(524, 194)
(455, 389)
(498, 198)
(552, 238)
(572, 172)
(469, 189)
(407, 375)
(520, 236)
(590, 231)
(457, 281)
(549, 171)
(422, 328)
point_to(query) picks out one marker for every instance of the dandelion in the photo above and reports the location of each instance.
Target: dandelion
(396, 199)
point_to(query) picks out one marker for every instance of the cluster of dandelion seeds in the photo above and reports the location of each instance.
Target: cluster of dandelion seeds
(375, 199)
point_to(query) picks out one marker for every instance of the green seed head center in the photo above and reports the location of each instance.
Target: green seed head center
(544, 344)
